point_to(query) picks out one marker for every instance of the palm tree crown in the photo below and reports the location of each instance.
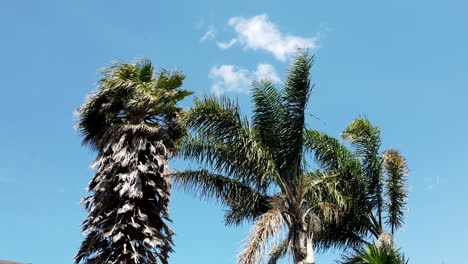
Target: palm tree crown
(258, 168)
(384, 176)
(133, 122)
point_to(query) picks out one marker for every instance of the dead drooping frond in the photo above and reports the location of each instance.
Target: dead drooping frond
(132, 120)
(396, 191)
(268, 226)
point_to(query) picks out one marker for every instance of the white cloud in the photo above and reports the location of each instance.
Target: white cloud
(226, 45)
(231, 78)
(258, 33)
(210, 34)
(267, 72)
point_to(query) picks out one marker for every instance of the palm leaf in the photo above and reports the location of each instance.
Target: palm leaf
(267, 113)
(295, 97)
(365, 138)
(240, 198)
(279, 251)
(244, 157)
(268, 226)
(395, 184)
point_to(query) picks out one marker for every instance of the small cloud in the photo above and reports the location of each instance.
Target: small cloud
(258, 33)
(61, 190)
(231, 78)
(226, 45)
(267, 72)
(210, 34)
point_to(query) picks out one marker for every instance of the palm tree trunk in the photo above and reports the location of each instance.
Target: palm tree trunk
(303, 247)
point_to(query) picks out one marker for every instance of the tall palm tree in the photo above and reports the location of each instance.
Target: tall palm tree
(258, 169)
(385, 175)
(134, 124)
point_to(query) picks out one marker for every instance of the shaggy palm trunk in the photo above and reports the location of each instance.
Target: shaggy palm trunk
(128, 210)
(303, 247)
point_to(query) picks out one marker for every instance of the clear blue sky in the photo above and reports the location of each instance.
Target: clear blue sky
(401, 63)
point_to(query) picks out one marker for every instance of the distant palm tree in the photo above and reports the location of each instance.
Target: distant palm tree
(259, 171)
(385, 175)
(133, 122)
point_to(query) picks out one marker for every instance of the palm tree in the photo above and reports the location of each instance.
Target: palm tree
(385, 182)
(373, 254)
(134, 124)
(258, 169)
(385, 174)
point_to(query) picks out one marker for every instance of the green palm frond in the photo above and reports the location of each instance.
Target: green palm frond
(246, 202)
(225, 140)
(396, 169)
(295, 98)
(243, 160)
(335, 159)
(267, 113)
(373, 254)
(329, 153)
(365, 138)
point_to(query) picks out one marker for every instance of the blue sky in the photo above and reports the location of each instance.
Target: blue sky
(401, 63)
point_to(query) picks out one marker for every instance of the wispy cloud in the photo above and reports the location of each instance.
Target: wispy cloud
(231, 78)
(258, 33)
(210, 34)
(226, 45)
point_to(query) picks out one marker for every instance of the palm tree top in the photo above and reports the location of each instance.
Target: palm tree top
(258, 168)
(132, 96)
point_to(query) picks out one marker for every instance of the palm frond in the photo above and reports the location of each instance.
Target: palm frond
(267, 113)
(226, 141)
(335, 159)
(268, 225)
(365, 138)
(244, 202)
(372, 254)
(279, 251)
(295, 98)
(396, 168)
(331, 155)
(132, 94)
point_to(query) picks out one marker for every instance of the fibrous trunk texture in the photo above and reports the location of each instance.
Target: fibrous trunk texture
(128, 210)
(385, 241)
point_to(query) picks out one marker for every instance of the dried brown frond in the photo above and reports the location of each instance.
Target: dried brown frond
(268, 225)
